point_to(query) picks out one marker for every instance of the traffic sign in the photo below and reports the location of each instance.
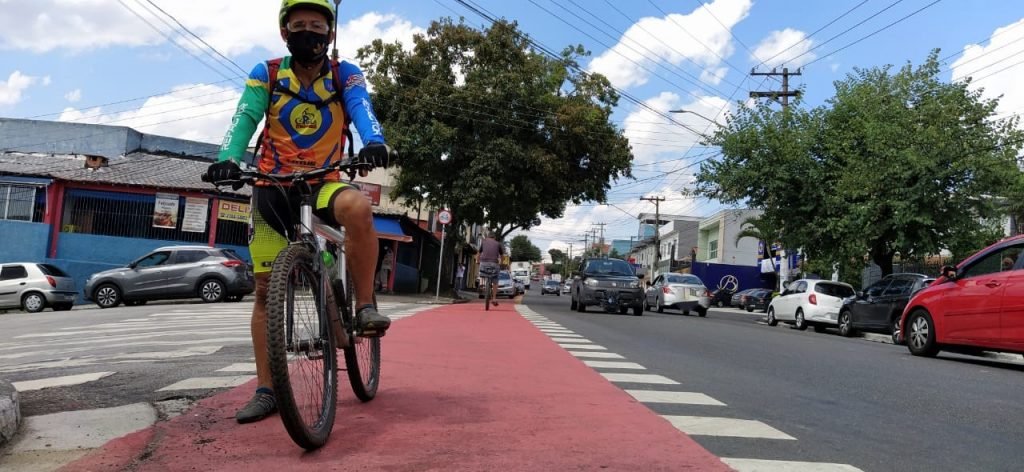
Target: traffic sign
(444, 217)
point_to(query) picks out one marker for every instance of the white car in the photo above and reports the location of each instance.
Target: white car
(683, 292)
(808, 302)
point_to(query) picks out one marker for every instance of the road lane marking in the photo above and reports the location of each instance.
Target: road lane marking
(198, 383)
(614, 365)
(597, 355)
(593, 347)
(563, 335)
(571, 340)
(678, 398)
(638, 378)
(240, 367)
(728, 427)
(762, 465)
(63, 381)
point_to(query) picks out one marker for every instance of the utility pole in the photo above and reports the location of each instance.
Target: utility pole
(657, 226)
(568, 262)
(600, 247)
(785, 93)
(586, 240)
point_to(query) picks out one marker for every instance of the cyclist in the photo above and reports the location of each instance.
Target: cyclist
(306, 119)
(491, 253)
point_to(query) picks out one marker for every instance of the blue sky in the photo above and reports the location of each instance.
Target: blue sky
(73, 59)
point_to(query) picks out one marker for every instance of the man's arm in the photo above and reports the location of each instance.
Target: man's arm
(251, 109)
(357, 104)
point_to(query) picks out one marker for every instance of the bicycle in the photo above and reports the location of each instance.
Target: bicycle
(305, 325)
(490, 277)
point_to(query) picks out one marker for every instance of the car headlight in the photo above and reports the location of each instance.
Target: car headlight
(634, 284)
(591, 282)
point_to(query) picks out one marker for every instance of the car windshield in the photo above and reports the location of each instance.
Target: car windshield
(504, 276)
(608, 267)
(683, 279)
(551, 283)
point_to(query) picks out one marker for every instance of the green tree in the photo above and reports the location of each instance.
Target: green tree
(521, 249)
(614, 254)
(557, 256)
(493, 129)
(897, 161)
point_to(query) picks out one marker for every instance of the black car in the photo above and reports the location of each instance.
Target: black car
(756, 299)
(722, 297)
(609, 283)
(737, 298)
(551, 286)
(879, 307)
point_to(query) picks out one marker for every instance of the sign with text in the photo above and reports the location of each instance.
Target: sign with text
(165, 211)
(194, 220)
(371, 191)
(233, 211)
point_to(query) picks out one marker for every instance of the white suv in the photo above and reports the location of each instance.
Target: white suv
(809, 302)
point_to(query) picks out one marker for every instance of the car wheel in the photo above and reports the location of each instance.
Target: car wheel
(820, 328)
(701, 311)
(638, 311)
(559, 294)
(772, 321)
(211, 290)
(750, 309)
(845, 324)
(661, 308)
(921, 334)
(895, 327)
(33, 302)
(107, 296)
(800, 323)
(63, 306)
(719, 304)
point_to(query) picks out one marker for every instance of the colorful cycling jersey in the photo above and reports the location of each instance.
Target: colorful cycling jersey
(304, 133)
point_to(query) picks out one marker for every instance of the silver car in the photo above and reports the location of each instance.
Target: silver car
(33, 287)
(210, 274)
(683, 292)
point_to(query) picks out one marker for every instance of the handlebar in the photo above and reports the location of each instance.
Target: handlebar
(349, 166)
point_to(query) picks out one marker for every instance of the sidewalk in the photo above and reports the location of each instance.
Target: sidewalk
(462, 389)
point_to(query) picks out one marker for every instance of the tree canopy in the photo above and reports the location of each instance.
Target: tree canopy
(496, 131)
(898, 161)
(521, 249)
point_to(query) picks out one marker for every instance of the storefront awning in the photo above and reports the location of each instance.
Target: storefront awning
(389, 228)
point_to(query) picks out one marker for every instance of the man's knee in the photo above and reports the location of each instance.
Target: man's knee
(352, 207)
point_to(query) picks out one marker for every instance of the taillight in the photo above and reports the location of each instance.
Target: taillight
(666, 290)
(813, 299)
(707, 293)
(232, 263)
(52, 281)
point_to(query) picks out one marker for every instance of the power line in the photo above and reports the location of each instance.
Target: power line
(191, 41)
(808, 37)
(243, 71)
(129, 100)
(982, 40)
(673, 20)
(847, 30)
(919, 10)
(701, 4)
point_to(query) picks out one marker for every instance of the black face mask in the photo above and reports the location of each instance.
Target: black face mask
(308, 48)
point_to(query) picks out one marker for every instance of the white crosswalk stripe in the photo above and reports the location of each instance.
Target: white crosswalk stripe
(731, 427)
(761, 465)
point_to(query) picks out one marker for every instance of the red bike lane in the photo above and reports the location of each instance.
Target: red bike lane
(461, 389)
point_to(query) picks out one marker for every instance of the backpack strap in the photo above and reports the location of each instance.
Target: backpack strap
(339, 92)
(273, 66)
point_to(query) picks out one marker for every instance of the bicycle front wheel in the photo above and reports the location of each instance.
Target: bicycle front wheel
(362, 356)
(301, 347)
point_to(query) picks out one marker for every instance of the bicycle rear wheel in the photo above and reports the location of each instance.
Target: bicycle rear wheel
(362, 356)
(301, 348)
(487, 298)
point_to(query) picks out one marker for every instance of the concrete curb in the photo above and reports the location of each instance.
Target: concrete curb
(10, 412)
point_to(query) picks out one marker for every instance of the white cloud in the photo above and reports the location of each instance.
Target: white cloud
(769, 49)
(194, 112)
(834, 66)
(652, 137)
(73, 96)
(233, 28)
(980, 61)
(657, 34)
(11, 90)
(714, 76)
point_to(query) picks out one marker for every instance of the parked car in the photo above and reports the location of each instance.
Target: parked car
(879, 307)
(34, 287)
(809, 302)
(173, 272)
(977, 305)
(506, 286)
(683, 292)
(756, 299)
(737, 298)
(566, 287)
(722, 297)
(551, 286)
(609, 283)
(520, 288)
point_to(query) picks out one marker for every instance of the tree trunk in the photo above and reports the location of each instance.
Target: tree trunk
(883, 257)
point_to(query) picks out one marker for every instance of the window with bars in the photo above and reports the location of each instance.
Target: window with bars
(22, 203)
(713, 249)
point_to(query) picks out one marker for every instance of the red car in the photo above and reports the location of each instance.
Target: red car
(977, 305)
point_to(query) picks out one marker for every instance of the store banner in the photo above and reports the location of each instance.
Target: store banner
(196, 210)
(165, 211)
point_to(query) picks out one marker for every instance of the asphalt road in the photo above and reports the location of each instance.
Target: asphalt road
(848, 401)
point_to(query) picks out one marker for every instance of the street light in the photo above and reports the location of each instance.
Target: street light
(698, 114)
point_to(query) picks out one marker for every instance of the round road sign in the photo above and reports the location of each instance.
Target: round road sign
(444, 217)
